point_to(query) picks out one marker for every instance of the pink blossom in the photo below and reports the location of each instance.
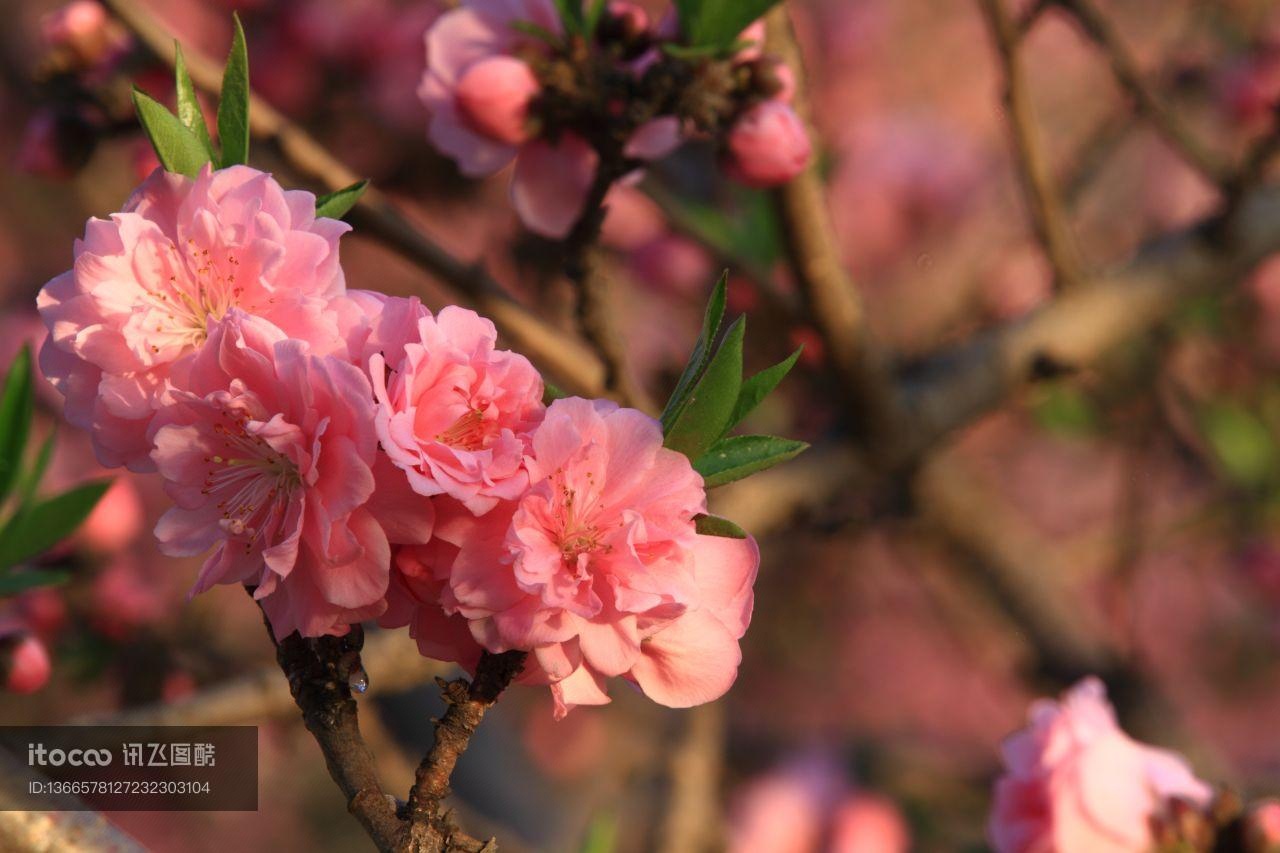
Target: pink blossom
(454, 412)
(1074, 781)
(597, 569)
(125, 599)
(84, 29)
(268, 453)
(478, 94)
(865, 823)
(494, 95)
(786, 809)
(28, 665)
(148, 283)
(116, 519)
(767, 146)
(1263, 824)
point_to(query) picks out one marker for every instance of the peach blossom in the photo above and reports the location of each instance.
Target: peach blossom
(1074, 781)
(150, 281)
(767, 146)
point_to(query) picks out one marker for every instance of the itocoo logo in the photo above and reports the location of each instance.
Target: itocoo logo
(39, 756)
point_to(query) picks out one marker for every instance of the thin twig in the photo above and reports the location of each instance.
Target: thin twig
(429, 826)
(1047, 214)
(1126, 71)
(834, 302)
(377, 216)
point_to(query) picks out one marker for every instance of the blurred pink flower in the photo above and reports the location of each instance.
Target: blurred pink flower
(1074, 781)
(124, 599)
(866, 823)
(673, 264)
(597, 570)
(84, 29)
(785, 810)
(478, 93)
(115, 521)
(767, 146)
(455, 412)
(493, 96)
(1019, 281)
(28, 666)
(148, 282)
(1264, 825)
(268, 453)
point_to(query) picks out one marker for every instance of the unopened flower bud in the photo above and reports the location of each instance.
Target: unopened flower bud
(767, 146)
(28, 665)
(1263, 825)
(83, 32)
(494, 96)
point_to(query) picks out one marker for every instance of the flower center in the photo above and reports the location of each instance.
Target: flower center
(469, 432)
(575, 515)
(195, 290)
(252, 480)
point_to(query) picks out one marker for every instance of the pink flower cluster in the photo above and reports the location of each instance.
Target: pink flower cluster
(1074, 781)
(483, 92)
(349, 456)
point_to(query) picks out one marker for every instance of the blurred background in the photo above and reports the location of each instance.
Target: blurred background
(1119, 519)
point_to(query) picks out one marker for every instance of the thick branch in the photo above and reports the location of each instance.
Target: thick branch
(1125, 68)
(376, 215)
(1047, 214)
(430, 827)
(318, 671)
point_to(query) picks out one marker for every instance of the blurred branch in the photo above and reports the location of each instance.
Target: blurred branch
(575, 365)
(69, 830)
(430, 828)
(834, 302)
(1047, 214)
(582, 268)
(391, 660)
(1125, 68)
(692, 820)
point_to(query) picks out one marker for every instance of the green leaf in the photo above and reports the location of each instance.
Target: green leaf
(37, 528)
(701, 354)
(233, 102)
(31, 478)
(189, 112)
(755, 389)
(594, 13)
(529, 28)
(551, 393)
(705, 417)
(16, 407)
(18, 582)
(1065, 410)
(714, 525)
(744, 455)
(602, 835)
(571, 14)
(336, 205)
(177, 147)
(718, 23)
(1242, 445)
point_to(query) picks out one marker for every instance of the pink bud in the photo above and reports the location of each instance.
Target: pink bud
(115, 521)
(767, 146)
(1264, 825)
(869, 824)
(493, 96)
(634, 19)
(74, 25)
(28, 666)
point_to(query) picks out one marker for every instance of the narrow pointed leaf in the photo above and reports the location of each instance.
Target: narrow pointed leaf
(718, 23)
(571, 14)
(176, 146)
(233, 102)
(30, 479)
(705, 417)
(14, 583)
(16, 406)
(594, 13)
(701, 353)
(338, 204)
(714, 525)
(551, 393)
(755, 389)
(37, 528)
(744, 455)
(189, 112)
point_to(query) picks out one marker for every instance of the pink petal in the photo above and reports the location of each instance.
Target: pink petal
(551, 183)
